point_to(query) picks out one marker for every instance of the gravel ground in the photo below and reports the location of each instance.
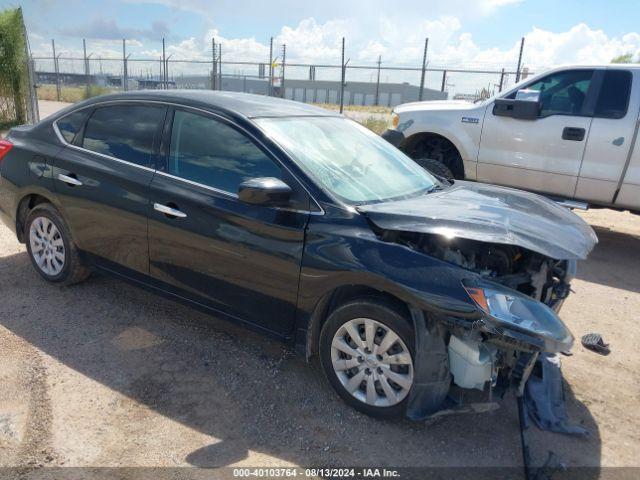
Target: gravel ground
(106, 374)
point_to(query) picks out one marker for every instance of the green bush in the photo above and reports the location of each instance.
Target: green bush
(14, 78)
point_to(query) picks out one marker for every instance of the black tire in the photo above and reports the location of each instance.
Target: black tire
(382, 312)
(436, 167)
(72, 270)
(438, 148)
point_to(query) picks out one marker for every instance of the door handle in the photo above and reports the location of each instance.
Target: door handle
(167, 210)
(573, 133)
(69, 180)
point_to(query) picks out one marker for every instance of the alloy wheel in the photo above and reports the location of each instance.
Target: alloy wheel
(372, 362)
(47, 246)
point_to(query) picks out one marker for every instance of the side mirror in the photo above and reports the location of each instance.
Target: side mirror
(266, 191)
(526, 105)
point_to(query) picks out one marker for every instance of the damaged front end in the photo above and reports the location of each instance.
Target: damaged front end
(517, 293)
(517, 253)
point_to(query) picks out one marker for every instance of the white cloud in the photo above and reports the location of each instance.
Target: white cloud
(398, 41)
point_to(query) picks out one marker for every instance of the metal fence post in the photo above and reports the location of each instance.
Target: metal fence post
(55, 68)
(162, 66)
(86, 68)
(342, 78)
(220, 65)
(124, 65)
(269, 89)
(213, 64)
(444, 80)
(375, 102)
(284, 59)
(501, 80)
(519, 60)
(166, 72)
(33, 112)
(424, 67)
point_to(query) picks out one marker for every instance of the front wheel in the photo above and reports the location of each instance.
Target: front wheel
(366, 351)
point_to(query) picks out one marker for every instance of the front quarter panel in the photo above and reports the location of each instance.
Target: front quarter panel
(462, 126)
(346, 252)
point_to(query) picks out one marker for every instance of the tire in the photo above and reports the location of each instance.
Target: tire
(383, 390)
(435, 167)
(50, 247)
(440, 149)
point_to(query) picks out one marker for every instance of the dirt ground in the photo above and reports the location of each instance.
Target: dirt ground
(106, 374)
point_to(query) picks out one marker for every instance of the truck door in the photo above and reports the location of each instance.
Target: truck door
(611, 136)
(544, 154)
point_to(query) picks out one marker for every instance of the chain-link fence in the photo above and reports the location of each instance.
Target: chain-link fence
(69, 78)
(17, 97)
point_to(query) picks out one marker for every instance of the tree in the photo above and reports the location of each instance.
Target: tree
(626, 58)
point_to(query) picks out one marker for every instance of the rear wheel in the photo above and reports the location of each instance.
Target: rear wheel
(50, 247)
(366, 351)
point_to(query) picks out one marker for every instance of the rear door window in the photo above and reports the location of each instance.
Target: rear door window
(614, 94)
(125, 132)
(70, 125)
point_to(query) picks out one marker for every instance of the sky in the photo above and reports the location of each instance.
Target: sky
(462, 33)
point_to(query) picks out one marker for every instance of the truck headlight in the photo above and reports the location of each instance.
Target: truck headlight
(507, 308)
(394, 120)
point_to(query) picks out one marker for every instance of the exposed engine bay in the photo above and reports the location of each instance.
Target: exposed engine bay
(531, 273)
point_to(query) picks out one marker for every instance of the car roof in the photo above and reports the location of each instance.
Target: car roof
(243, 104)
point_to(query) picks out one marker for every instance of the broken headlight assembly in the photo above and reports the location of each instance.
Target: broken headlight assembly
(512, 314)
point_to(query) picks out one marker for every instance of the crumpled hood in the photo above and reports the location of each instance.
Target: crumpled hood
(489, 213)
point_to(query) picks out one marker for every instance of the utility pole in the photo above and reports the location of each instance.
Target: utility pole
(424, 68)
(520, 60)
(378, 81)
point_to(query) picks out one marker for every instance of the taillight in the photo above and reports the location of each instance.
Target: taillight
(5, 147)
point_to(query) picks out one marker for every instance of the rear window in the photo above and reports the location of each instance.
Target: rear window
(125, 132)
(614, 94)
(70, 125)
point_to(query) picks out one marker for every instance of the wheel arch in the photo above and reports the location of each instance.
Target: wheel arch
(411, 142)
(27, 203)
(339, 296)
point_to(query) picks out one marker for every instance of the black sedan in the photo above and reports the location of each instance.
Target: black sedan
(305, 225)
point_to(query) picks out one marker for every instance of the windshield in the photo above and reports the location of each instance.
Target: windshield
(347, 159)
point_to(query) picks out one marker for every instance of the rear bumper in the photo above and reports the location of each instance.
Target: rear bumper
(394, 137)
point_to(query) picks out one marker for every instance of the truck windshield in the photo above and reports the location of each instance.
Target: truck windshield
(347, 159)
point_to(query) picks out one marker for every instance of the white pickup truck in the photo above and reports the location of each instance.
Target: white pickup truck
(569, 133)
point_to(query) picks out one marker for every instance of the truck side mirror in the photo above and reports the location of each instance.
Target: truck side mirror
(519, 109)
(526, 105)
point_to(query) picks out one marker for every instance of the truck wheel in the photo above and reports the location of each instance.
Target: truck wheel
(439, 148)
(436, 167)
(367, 354)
